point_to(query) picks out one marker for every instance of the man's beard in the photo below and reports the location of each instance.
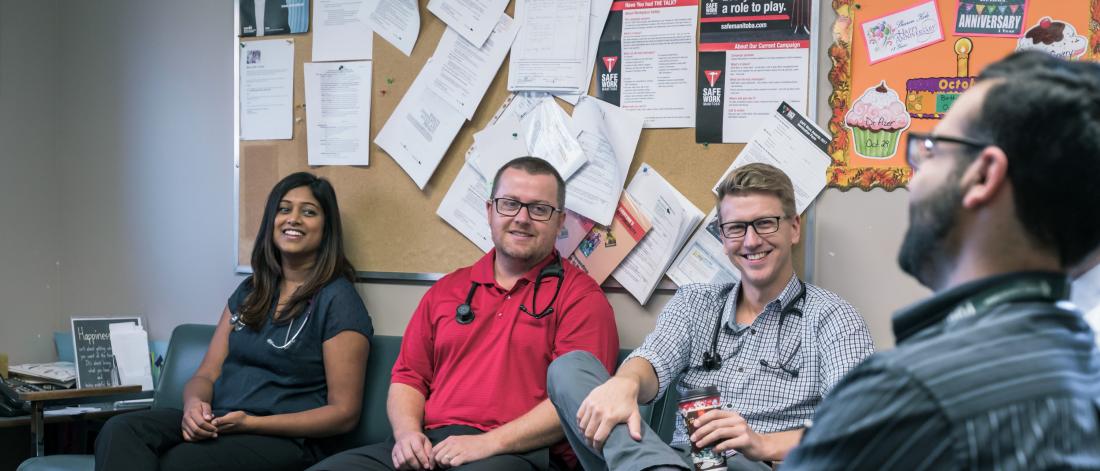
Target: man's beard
(923, 251)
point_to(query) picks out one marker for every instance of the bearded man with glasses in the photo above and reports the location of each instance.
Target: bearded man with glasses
(773, 345)
(997, 370)
(469, 387)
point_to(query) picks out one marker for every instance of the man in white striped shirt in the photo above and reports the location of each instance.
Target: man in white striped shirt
(997, 370)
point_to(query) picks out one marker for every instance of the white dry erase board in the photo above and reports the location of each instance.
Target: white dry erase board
(92, 349)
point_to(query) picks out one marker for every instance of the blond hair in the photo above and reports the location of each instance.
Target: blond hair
(759, 178)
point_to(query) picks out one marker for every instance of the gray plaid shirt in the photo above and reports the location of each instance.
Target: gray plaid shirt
(819, 347)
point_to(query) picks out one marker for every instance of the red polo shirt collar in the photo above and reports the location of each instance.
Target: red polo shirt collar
(482, 272)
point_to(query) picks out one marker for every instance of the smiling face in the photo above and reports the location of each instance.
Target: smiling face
(519, 237)
(299, 223)
(764, 260)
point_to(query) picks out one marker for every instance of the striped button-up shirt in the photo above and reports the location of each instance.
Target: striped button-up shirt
(821, 340)
(999, 373)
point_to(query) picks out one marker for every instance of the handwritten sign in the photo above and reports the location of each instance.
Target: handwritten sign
(92, 348)
(907, 30)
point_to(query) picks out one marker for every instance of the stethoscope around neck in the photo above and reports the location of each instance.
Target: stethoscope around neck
(464, 314)
(712, 361)
(288, 339)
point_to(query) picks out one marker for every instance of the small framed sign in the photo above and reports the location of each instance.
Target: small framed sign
(94, 358)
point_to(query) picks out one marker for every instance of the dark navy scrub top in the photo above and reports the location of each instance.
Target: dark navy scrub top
(261, 379)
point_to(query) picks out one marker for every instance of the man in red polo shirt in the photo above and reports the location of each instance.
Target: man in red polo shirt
(469, 387)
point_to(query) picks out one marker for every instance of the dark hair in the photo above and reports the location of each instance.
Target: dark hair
(267, 259)
(759, 178)
(533, 166)
(1044, 113)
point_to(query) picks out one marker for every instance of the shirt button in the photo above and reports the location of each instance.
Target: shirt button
(499, 314)
(740, 370)
(508, 297)
(753, 331)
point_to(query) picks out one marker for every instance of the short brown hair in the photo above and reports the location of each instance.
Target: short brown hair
(759, 178)
(533, 166)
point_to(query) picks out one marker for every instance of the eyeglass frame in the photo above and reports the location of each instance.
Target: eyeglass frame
(722, 226)
(927, 142)
(496, 207)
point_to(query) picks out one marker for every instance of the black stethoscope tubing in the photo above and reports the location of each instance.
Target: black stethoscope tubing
(464, 314)
(712, 361)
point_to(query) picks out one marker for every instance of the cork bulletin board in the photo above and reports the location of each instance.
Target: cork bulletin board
(390, 226)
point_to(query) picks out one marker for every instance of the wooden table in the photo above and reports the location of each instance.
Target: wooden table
(40, 399)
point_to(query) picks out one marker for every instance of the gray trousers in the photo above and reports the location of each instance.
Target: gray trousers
(569, 380)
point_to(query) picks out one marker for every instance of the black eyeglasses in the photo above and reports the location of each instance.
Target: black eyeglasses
(738, 229)
(511, 207)
(919, 146)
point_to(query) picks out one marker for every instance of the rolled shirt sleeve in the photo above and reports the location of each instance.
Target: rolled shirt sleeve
(668, 347)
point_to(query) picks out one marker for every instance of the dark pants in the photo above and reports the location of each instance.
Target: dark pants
(569, 380)
(153, 439)
(378, 456)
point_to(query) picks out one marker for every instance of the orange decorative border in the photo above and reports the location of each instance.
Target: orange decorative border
(1094, 32)
(843, 176)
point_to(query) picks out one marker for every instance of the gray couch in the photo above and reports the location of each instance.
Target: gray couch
(188, 345)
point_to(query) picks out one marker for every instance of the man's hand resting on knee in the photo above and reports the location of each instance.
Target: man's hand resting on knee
(607, 406)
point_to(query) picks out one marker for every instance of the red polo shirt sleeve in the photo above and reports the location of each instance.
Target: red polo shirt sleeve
(588, 322)
(414, 363)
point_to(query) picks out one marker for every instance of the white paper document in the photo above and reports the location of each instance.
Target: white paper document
(338, 112)
(755, 81)
(463, 207)
(597, 17)
(549, 136)
(473, 19)
(494, 147)
(502, 138)
(267, 89)
(340, 30)
(420, 129)
(608, 137)
(552, 46)
(702, 260)
(466, 70)
(60, 372)
(673, 217)
(398, 22)
(130, 347)
(70, 410)
(794, 144)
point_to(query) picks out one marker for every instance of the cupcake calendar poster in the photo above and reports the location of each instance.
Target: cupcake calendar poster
(879, 97)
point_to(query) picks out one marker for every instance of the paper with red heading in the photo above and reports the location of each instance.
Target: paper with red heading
(646, 58)
(753, 54)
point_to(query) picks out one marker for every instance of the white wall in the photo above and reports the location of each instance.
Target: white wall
(145, 162)
(29, 199)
